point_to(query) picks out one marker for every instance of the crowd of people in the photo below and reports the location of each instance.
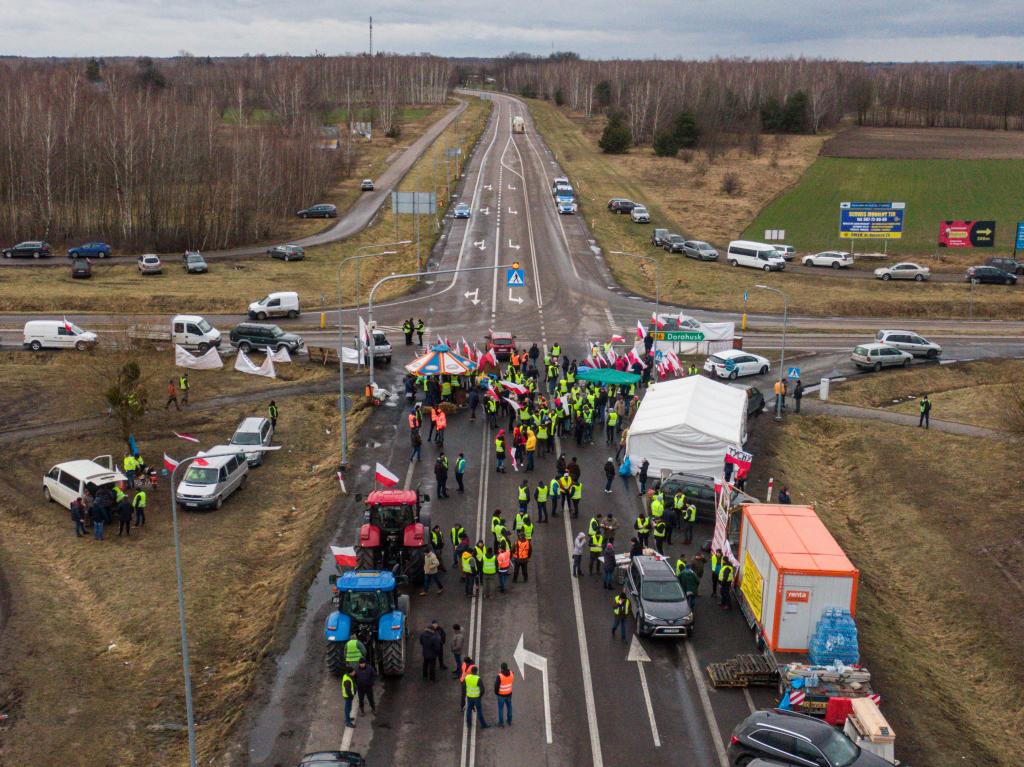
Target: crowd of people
(103, 505)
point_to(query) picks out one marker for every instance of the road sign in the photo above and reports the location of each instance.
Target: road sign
(1019, 245)
(678, 335)
(793, 373)
(454, 152)
(774, 234)
(419, 203)
(967, 234)
(871, 220)
(745, 296)
(516, 278)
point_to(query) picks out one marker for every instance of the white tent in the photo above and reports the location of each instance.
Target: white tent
(687, 425)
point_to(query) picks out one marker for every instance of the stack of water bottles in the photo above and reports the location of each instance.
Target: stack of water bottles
(835, 639)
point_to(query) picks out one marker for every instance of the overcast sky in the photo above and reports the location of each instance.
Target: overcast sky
(851, 29)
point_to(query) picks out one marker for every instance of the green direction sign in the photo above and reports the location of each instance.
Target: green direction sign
(678, 335)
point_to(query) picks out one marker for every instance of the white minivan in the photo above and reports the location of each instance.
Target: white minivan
(57, 334)
(758, 255)
(284, 304)
(211, 478)
(69, 480)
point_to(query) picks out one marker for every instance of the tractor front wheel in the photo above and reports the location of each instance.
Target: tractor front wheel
(364, 558)
(392, 657)
(336, 658)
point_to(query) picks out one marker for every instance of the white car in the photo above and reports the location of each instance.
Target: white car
(640, 215)
(903, 271)
(909, 341)
(733, 363)
(835, 259)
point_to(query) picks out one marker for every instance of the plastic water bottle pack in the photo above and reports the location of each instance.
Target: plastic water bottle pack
(835, 639)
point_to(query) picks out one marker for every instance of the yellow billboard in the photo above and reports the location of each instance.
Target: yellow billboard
(752, 586)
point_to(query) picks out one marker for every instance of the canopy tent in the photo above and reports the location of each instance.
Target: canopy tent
(606, 376)
(688, 424)
(440, 360)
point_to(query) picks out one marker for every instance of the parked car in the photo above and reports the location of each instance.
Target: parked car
(462, 210)
(1011, 265)
(382, 349)
(56, 334)
(836, 259)
(657, 600)
(253, 432)
(904, 270)
(566, 205)
(658, 237)
(909, 341)
(90, 250)
(69, 481)
(366, 185)
(989, 275)
(195, 263)
(29, 249)
(640, 215)
(81, 269)
(281, 304)
(253, 335)
(212, 478)
(700, 491)
(320, 210)
(755, 400)
(788, 252)
(621, 205)
(797, 740)
(502, 342)
(700, 250)
(150, 264)
(733, 363)
(875, 356)
(333, 759)
(674, 243)
(287, 252)
(559, 181)
(757, 255)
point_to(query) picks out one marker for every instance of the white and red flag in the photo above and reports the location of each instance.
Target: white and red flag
(514, 387)
(657, 321)
(639, 329)
(344, 556)
(186, 437)
(385, 477)
(617, 339)
(169, 463)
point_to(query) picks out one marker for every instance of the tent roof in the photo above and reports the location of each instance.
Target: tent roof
(696, 403)
(607, 376)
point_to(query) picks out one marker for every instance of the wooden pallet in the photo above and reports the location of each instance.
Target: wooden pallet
(743, 671)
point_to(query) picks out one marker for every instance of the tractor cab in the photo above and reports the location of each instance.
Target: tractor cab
(371, 610)
(395, 533)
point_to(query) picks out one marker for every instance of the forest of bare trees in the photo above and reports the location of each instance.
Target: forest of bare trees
(139, 153)
(728, 97)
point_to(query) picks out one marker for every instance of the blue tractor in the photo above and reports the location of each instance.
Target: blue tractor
(370, 609)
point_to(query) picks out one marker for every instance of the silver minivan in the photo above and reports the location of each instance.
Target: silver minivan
(213, 477)
(253, 432)
(876, 356)
(909, 341)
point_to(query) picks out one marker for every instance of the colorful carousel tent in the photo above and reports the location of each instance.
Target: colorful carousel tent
(440, 360)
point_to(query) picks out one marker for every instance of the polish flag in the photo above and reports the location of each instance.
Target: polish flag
(639, 329)
(67, 325)
(657, 321)
(169, 463)
(385, 477)
(466, 350)
(514, 387)
(512, 403)
(344, 556)
(493, 394)
(201, 462)
(589, 362)
(490, 358)
(617, 339)
(186, 437)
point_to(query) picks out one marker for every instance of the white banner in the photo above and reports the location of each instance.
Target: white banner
(209, 361)
(246, 365)
(281, 355)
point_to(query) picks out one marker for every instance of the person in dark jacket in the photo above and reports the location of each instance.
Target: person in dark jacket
(124, 516)
(441, 475)
(474, 403)
(636, 549)
(609, 474)
(78, 517)
(444, 638)
(642, 476)
(430, 644)
(798, 393)
(365, 677)
(608, 559)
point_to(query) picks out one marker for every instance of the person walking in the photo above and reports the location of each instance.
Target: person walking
(183, 387)
(348, 694)
(609, 566)
(503, 692)
(407, 330)
(417, 446)
(489, 568)
(172, 395)
(431, 565)
(925, 409)
(365, 678)
(620, 610)
(540, 495)
(420, 327)
(725, 574)
(460, 471)
(609, 474)
(78, 516)
(472, 692)
(441, 475)
(577, 554)
(798, 394)
(272, 413)
(430, 645)
(139, 505)
(521, 558)
(499, 451)
(458, 642)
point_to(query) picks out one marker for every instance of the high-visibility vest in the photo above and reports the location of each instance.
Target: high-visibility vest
(563, 386)
(496, 524)
(490, 564)
(499, 445)
(594, 526)
(492, 406)
(690, 515)
(446, 388)
(139, 501)
(348, 687)
(442, 419)
(621, 606)
(407, 327)
(524, 494)
(679, 501)
(596, 543)
(556, 350)
(642, 525)
(457, 532)
(420, 326)
(577, 491)
(352, 651)
(118, 494)
(128, 463)
(480, 551)
(183, 383)
(613, 418)
(531, 442)
(680, 565)
(460, 466)
(528, 530)
(659, 528)
(472, 685)
(414, 421)
(565, 483)
(725, 574)
(523, 549)
(715, 560)
(505, 683)
(542, 431)
(436, 539)
(504, 559)
(542, 493)
(553, 489)
(657, 507)
(272, 412)
(467, 562)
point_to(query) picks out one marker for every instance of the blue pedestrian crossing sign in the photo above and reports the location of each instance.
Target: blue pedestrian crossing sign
(794, 373)
(516, 278)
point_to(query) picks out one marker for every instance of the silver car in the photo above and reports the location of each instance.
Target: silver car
(909, 341)
(903, 271)
(253, 432)
(699, 250)
(788, 252)
(875, 356)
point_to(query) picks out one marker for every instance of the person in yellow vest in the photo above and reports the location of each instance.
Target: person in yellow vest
(565, 489)
(725, 575)
(348, 693)
(659, 534)
(716, 567)
(523, 496)
(503, 692)
(472, 691)
(183, 387)
(612, 426)
(576, 497)
(596, 551)
(540, 495)
(489, 569)
(689, 520)
(531, 448)
(128, 464)
(642, 525)
(469, 572)
(657, 507)
(139, 504)
(620, 609)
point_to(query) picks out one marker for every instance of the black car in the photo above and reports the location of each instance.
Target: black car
(657, 600)
(321, 210)
(700, 491)
(287, 252)
(989, 275)
(658, 237)
(1011, 265)
(333, 759)
(797, 740)
(81, 269)
(29, 249)
(674, 243)
(619, 205)
(254, 335)
(755, 399)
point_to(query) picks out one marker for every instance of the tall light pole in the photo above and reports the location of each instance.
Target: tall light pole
(359, 250)
(657, 275)
(782, 351)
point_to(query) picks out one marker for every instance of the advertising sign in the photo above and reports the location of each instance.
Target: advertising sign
(967, 234)
(1019, 244)
(871, 220)
(752, 586)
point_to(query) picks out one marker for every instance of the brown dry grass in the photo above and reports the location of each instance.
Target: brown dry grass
(926, 144)
(91, 652)
(934, 526)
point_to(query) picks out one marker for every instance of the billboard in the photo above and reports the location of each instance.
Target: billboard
(1019, 243)
(967, 234)
(871, 220)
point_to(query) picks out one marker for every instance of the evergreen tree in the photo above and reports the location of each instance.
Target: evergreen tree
(616, 138)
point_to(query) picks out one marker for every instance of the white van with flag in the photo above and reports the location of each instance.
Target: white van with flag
(57, 334)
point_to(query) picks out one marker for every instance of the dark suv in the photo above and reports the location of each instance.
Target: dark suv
(674, 243)
(795, 739)
(253, 335)
(29, 249)
(1011, 265)
(620, 205)
(700, 491)
(657, 600)
(658, 237)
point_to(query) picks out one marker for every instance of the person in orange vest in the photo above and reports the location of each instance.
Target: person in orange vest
(442, 425)
(503, 692)
(464, 667)
(504, 565)
(433, 422)
(521, 560)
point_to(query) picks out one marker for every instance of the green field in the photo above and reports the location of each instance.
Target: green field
(934, 190)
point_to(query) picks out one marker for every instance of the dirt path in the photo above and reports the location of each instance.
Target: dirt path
(818, 407)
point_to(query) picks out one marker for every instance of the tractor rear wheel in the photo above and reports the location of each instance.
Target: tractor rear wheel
(392, 657)
(414, 566)
(336, 657)
(364, 558)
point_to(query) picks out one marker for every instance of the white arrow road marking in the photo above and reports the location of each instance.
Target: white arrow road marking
(517, 299)
(488, 187)
(475, 294)
(526, 658)
(485, 211)
(511, 245)
(482, 244)
(638, 654)
(513, 212)
(512, 188)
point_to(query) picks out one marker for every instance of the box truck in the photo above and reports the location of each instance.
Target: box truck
(518, 124)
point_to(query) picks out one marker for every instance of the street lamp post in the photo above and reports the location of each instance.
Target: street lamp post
(657, 275)
(782, 351)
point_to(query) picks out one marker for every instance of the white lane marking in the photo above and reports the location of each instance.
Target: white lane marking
(750, 700)
(529, 231)
(705, 702)
(558, 218)
(611, 319)
(650, 706)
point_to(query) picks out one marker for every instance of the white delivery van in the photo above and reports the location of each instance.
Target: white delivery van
(275, 305)
(758, 255)
(57, 334)
(518, 124)
(212, 477)
(188, 330)
(69, 480)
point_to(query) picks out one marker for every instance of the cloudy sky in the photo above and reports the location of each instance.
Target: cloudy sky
(851, 29)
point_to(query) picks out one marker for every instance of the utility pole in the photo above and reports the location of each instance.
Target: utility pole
(782, 352)
(371, 37)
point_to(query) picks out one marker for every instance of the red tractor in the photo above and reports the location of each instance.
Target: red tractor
(395, 533)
